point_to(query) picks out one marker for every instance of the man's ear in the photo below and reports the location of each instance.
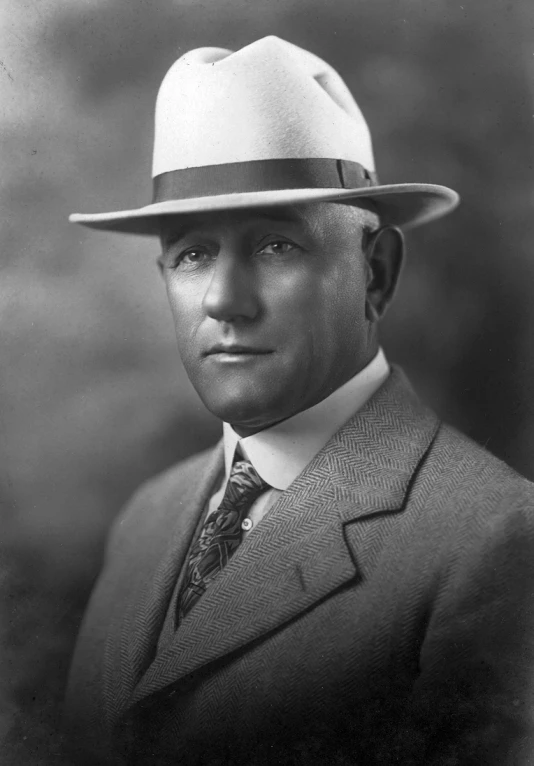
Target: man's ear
(384, 255)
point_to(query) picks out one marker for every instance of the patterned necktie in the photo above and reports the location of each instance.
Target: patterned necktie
(220, 535)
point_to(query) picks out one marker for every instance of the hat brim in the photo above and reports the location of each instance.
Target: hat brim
(403, 205)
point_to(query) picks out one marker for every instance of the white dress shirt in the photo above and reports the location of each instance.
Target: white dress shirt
(280, 453)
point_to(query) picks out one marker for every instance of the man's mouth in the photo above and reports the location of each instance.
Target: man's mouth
(235, 352)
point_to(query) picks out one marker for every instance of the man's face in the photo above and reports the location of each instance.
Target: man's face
(269, 307)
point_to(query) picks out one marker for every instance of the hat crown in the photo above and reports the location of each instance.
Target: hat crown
(269, 100)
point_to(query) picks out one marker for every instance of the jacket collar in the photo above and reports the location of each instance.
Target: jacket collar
(299, 553)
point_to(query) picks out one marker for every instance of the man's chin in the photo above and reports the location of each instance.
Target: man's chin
(248, 417)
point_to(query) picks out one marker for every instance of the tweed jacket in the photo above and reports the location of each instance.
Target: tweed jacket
(381, 612)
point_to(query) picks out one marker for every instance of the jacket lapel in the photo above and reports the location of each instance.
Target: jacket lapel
(299, 553)
(133, 637)
(292, 560)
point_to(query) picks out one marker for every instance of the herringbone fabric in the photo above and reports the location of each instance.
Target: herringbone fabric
(383, 608)
(221, 534)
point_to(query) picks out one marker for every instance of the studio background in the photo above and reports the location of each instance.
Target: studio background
(93, 399)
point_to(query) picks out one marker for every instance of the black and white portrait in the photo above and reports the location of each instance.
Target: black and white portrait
(267, 439)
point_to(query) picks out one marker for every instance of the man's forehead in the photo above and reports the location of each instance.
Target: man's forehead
(308, 216)
(244, 217)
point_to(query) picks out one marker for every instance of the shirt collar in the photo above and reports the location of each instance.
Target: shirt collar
(280, 453)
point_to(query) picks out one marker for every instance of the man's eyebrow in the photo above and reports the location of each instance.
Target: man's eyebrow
(173, 235)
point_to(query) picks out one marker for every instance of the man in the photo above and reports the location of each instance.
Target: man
(343, 579)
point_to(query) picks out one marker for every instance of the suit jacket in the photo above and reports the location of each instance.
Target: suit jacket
(382, 612)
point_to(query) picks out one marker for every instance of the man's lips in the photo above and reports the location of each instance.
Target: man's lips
(236, 350)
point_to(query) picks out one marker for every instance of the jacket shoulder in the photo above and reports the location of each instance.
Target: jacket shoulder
(464, 458)
(173, 478)
(461, 475)
(160, 498)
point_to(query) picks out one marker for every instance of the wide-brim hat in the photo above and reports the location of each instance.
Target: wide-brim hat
(270, 124)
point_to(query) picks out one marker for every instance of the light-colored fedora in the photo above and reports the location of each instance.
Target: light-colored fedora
(266, 125)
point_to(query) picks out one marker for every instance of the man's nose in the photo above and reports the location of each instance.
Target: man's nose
(231, 293)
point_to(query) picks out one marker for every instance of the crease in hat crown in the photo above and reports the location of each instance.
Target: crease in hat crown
(269, 100)
(268, 124)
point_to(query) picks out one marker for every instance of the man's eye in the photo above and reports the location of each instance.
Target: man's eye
(193, 257)
(279, 247)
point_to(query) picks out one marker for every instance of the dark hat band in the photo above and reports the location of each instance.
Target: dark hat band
(261, 175)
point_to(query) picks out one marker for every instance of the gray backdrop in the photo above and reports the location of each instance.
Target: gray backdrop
(92, 396)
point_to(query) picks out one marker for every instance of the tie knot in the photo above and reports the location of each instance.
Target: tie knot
(245, 479)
